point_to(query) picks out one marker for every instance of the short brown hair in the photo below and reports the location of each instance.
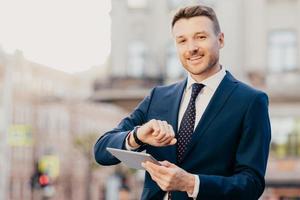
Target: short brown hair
(195, 11)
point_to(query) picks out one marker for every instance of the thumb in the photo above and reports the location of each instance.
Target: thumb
(165, 163)
(173, 141)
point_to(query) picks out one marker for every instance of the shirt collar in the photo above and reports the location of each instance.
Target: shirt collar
(210, 83)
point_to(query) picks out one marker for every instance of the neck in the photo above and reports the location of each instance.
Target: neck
(206, 74)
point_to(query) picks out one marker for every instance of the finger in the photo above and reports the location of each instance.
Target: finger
(173, 134)
(156, 169)
(168, 164)
(163, 181)
(160, 182)
(159, 170)
(162, 133)
(165, 163)
(168, 139)
(154, 175)
(171, 130)
(164, 185)
(160, 179)
(173, 141)
(169, 135)
(149, 166)
(155, 126)
(159, 176)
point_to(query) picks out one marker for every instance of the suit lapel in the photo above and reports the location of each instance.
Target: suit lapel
(214, 107)
(173, 100)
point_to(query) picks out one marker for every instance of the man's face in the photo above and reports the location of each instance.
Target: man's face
(198, 46)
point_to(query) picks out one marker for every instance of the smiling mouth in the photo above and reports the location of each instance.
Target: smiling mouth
(195, 58)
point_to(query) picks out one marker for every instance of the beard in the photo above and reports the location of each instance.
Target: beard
(209, 63)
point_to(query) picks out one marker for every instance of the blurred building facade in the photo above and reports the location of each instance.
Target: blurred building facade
(261, 48)
(49, 113)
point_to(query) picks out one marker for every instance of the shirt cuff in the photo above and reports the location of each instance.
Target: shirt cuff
(127, 146)
(196, 188)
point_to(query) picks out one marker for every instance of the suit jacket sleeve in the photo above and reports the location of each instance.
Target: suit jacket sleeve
(247, 181)
(116, 137)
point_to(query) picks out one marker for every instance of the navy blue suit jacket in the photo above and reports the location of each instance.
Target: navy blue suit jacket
(229, 148)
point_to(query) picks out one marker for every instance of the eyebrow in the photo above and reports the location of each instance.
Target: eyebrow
(201, 32)
(197, 33)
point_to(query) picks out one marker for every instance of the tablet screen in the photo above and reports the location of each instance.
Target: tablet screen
(132, 159)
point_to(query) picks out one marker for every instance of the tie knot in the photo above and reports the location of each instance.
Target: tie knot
(196, 88)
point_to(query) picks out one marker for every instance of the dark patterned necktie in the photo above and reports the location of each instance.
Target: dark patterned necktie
(187, 124)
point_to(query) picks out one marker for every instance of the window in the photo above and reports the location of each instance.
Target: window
(174, 3)
(136, 59)
(282, 51)
(22, 114)
(285, 137)
(137, 3)
(211, 3)
(174, 69)
(16, 188)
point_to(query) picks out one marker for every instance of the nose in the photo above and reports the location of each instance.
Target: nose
(192, 47)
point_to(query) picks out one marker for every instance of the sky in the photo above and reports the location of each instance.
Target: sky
(69, 35)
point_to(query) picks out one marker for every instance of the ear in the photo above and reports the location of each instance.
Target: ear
(221, 40)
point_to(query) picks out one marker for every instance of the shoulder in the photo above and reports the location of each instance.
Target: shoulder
(170, 88)
(243, 97)
(243, 88)
(247, 89)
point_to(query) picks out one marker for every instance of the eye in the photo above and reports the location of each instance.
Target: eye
(181, 41)
(200, 37)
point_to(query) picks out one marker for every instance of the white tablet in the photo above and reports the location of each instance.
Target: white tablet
(132, 159)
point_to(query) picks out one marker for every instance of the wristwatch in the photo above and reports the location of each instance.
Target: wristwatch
(136, 139)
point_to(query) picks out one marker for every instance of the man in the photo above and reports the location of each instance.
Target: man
(211, 132)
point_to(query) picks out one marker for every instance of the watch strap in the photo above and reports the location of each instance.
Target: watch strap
(135, 137)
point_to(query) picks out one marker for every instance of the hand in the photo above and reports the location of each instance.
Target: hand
(170, 177)
(156, 133)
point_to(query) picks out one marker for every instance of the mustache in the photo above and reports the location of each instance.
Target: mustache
(195, 52)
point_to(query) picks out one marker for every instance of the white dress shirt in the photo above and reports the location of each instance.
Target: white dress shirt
(202, 100)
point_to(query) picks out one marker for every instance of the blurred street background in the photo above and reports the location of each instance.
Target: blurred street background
(62, 87)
